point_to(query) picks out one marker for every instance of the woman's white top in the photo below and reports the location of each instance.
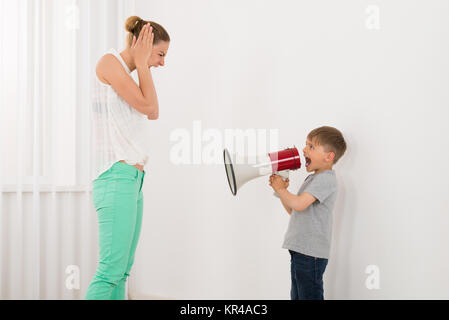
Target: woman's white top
(118, 130)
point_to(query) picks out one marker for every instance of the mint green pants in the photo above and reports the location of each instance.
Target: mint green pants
(118, 199)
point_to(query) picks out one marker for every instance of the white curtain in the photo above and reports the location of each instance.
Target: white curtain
(48, 226)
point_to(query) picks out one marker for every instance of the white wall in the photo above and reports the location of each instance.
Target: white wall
(294, 66)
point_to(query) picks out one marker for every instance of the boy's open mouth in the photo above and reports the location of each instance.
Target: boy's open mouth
(308, 161)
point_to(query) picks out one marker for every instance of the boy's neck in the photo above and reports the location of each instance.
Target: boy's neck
(323, 169)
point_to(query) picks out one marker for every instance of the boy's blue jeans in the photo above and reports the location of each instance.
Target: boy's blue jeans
(307, 277)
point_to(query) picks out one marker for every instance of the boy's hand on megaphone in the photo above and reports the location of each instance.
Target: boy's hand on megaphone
(277, 183)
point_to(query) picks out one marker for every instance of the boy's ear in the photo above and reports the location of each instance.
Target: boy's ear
(330, 156)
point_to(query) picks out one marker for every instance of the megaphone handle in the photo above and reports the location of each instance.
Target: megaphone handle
(284, 175)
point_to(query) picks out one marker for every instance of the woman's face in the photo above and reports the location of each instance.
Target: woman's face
(158, 54)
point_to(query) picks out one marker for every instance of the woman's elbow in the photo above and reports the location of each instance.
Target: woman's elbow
(153, 117)
(152, 113)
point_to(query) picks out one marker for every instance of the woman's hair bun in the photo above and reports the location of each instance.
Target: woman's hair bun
(131, 23)
(134, 25)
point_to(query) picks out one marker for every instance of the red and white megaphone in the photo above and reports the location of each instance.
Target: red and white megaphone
(280, 163)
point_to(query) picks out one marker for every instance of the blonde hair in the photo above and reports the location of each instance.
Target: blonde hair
(134, 25)
(330, 139)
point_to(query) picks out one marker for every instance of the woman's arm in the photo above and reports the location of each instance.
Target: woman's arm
(140, 98)
(148, 91)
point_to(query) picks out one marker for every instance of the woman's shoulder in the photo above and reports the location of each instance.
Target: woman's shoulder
(108, 65)
(109, 60)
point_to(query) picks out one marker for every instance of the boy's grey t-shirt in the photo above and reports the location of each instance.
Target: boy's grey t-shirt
(310, 231)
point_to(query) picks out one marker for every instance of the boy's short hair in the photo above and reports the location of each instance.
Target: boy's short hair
(330, 139)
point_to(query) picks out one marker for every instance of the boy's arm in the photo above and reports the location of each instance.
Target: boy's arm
(297, 203)
(287, 208)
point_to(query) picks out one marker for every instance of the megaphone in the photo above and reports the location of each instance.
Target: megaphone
(280, 163)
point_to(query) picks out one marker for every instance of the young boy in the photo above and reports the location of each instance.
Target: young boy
(308, 236)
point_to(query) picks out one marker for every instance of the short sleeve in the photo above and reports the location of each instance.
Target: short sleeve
(322, 186)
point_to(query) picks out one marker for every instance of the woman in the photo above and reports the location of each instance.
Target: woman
(120, 110)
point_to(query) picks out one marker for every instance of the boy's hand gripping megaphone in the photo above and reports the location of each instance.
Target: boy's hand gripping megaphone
(280, 163)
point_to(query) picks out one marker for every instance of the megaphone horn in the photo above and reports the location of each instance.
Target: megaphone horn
(275, 162)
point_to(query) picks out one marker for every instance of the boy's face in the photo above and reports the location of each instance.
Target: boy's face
(317, 159)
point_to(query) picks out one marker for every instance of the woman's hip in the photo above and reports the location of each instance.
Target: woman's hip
(121, 185)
